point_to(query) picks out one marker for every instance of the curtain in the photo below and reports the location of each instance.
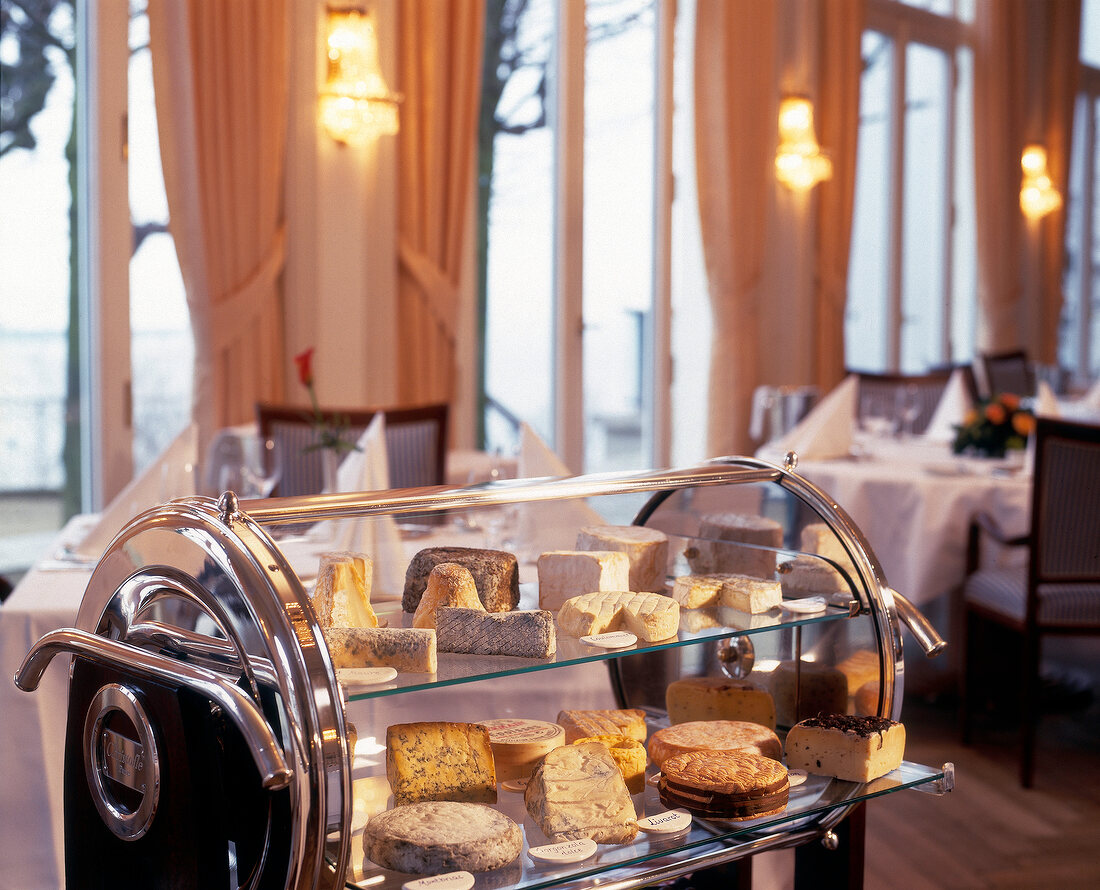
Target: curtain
(841, 66)
(440, 76)
(1061, 70)
(220, 72)
(735, 135)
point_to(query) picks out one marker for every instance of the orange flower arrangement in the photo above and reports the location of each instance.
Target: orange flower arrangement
(994, 427)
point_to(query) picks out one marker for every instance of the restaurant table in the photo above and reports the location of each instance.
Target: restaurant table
(32, 725)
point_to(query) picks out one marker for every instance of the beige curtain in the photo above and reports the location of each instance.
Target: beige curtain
(837, 120)
(735, 135)
(440, 76)
(1061, 70)
(1018, 44)
(220, 71)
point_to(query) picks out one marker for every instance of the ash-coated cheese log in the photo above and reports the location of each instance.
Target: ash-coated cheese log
(407, 649)
(567, 573)
(496, 575)
(527, 634)
(435, 837)
(646, 548)
(855, 749)
(436, 760)
(341, 597)
(720, 548)
(578, 791)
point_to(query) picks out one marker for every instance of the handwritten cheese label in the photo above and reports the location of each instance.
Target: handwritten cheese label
(454, 880)
(567, 851)
(517, 785)
(796, 776)
(365, 676)
(615, 639)
(668, 822)
(809, 604)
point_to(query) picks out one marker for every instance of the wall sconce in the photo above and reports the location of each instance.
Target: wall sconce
(799, 161)
(1038, 196)
(356, 105)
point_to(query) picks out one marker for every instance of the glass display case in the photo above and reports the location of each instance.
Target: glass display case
(210, 734)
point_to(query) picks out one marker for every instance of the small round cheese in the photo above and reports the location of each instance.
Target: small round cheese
(437, 836)
(518, 745)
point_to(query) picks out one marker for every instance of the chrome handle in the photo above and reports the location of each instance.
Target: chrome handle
(919, 626)
(265, 750)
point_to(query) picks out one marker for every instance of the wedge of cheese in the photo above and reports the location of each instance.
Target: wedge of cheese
(577, 791)
(526, 634)
(436, 760)
(580, 723)
(649, 616)
(628, 753)
(567, 573)
(341, 597)
(449, 584)
(647, 549)
(403, 648)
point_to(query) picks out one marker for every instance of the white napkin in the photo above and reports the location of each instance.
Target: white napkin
(376, 536)
(951, 409)
(171, 475)
(825, 432)
(549, 525)
(1046, 403)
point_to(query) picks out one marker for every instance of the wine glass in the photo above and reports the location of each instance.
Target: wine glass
(908, 408)
(244, 463)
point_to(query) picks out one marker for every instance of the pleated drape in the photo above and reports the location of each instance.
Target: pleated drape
(220, 72)
(735, 134)
(440, 76)
(841, 66)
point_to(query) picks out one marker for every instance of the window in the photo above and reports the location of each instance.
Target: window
(64, 386)
(912, 279)
(1079, 340)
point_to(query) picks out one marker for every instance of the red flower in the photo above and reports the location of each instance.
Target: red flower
(995, 413)
(304, 361)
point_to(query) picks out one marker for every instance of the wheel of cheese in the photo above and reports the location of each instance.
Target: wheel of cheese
(713, 735)
(518, 745)
(433, 837)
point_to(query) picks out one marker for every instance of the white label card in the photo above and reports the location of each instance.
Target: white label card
(796, 776)
(669, 822)
(615, 639)
(567, 851)
(365, 676)
(518, 785)
(455, 880)
(809, 604)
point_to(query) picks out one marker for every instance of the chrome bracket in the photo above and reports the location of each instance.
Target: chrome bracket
(942, 785)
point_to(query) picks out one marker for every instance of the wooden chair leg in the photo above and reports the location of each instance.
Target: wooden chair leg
(1029, 709)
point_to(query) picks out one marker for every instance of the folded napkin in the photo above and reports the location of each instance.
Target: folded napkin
(548, 525)
(171, 475)
(825, 432)
(951, 409)
(377, 536)
(1046, 403)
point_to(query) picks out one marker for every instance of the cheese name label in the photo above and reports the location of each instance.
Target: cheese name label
(615, 639)
(566, 851)
(669, 822)
(454, 880)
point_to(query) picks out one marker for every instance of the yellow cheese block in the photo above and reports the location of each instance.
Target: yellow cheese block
(714, 698)
(435, 760)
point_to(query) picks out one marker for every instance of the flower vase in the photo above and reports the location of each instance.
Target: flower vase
(330, 466)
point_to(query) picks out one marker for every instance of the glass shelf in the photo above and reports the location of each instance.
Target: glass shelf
(696, 625)
(816, 796)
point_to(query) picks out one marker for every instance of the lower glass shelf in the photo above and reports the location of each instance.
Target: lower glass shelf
(809, 802)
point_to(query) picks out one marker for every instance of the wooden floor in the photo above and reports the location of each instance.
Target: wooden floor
(989, 832)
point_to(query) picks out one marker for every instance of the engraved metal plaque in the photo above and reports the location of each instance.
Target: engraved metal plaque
(120, 758)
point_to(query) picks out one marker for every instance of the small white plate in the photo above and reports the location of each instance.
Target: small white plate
(567, 851)
(615, 639)
(453, 880)
(365, 676)
(668, 822)
(808, 605)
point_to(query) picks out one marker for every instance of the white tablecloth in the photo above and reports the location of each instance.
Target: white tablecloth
(32, 725)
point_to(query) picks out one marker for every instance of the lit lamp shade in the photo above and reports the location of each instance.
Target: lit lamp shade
(799, 162)
(356, 105)
(1038, 196)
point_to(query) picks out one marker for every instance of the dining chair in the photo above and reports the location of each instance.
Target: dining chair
(891, 394)
(1005, 372)
(1057, 592)
(416, 443)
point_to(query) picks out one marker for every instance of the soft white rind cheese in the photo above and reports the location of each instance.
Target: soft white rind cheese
(647, 549)
(750, 595)
(649, 616)
(567, 573)
(404, 648)
(578, 791)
